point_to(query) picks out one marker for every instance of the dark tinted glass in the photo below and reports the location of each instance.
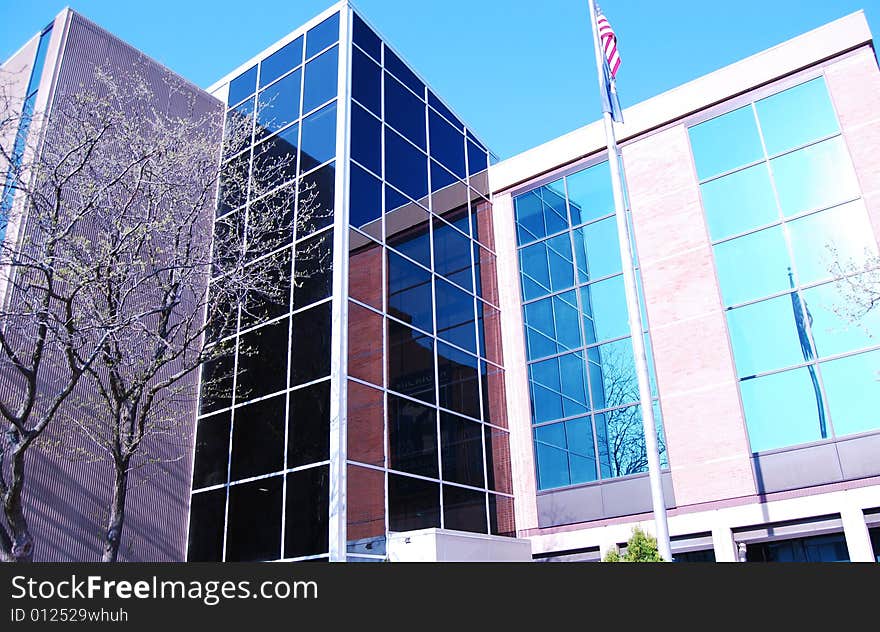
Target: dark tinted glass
(238, 128)
(320, 37)
(254, 531)
(365, 203)
(366, 38)
(217, 377)
(262, 361)
(409, 293)
(404, 111)
(311, 345)
(461, 445)
(412, 503)
(447, 145)
(275, 161)
(441, 179)
(316, 200)
(321, 80)
(478, 160)
(233, 183)
(207, 517)
(258, 439)
(410, 362)
(313, 270)
(459, 389)
(307, 512)
(405, 166)
(464, 509)
(222, 319)
(366, 82)
(366, 139)
(273, 298)
(402, 72)
(452, 254)
(406, 228)
(212, 451)
(435, 103)
(412, 437)
(501, 520)
(318, 137)
(308, 437)
(498, 460)
(279, 104)
(455, 316)
(243, 85)
(281, 61)
(270, 221)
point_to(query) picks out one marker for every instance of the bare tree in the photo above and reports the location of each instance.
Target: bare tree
(157, 284)
(858, 284)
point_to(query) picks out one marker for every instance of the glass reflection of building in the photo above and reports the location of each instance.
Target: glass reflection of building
(408, 430)
(584, 392)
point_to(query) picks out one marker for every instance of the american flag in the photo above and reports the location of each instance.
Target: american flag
(609, 42)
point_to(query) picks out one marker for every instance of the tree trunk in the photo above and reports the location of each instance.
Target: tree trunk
(22, 545)
(116, 520)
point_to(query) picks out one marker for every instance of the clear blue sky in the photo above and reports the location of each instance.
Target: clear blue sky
(519, 71)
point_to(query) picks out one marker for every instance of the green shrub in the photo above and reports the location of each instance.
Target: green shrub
(641, 547)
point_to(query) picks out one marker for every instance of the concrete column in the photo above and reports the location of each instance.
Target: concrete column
(858, 540)
(722, 542)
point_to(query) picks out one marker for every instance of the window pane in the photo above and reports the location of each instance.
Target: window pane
(404, 111)
(212, 451)
(739, 202)
(455, 316)
(365, 38)
(552, 466)
(604, 310)
(574, 384)
(316, 200)
(243, 85)
(366, 139)
(764, 336)
(452, 254)
(320, 37)
(464, 509)
(589, 194)
(206, 522)
(409, 293)
(238, 132)
(310, 358)
(275, 161)
(407, 228)
(366, 421)
(447, 145)
(841, 235)
(217, 375)
(366, 82)
(597, 250)
(234, 180)
(546, 390)
(753, 266)
(581, 457)
(365, 203)
(726, 142)
(313, 269)
(278, 104)
(405, 166)
(782, 409)
(281, 61)
(478, 163)
(402, 72)
(814, 177)
(410, 362)
(258, 439)
(412, 503)
(552, 325)
(853, 392)
(458, 381)
(437, 104)
(833, 329)
(318, 138)
(262, 361)
(308, 436)
(273, 299)
(307, 515)
(462, 450)
(613, 380)
(254, 531)
(796, 116)
(621, 440)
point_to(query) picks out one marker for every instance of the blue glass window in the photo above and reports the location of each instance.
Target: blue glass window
(739, 202)
(726, 142)
(546, 267)
(366, 139)
(621, 442)
(853, 392)
(321, 80)
(409, 293)
(452, 254)
(814, 177)
(318, 138)
(405, 166)
(552, 325)
(365, 38)
(613, 380)
(478, 160)
(404, 112)
(589, 194)
(462, 450)
(402, 72)
(603, 305)
(796, 116)
(410, 362)
(320, 37)
(281, 61)
(239, 122)
(242, 86)
(458, 381)
(366, 82)
(412, 437)
(366, 198)
(597, 250)
(455, 315)
(437, 104)
(279, 104)
(447, 145)
(833, 330)
(765, 337)
(753, 266)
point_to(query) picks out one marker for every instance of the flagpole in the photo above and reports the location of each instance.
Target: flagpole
(635, 314)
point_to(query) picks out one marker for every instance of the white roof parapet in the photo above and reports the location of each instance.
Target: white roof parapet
(800, 52)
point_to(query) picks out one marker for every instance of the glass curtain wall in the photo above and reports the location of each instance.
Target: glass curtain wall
(260, 479)
(585, 409)
(789, 230)
(427, 429)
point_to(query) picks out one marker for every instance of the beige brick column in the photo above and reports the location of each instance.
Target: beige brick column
(705, 431)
